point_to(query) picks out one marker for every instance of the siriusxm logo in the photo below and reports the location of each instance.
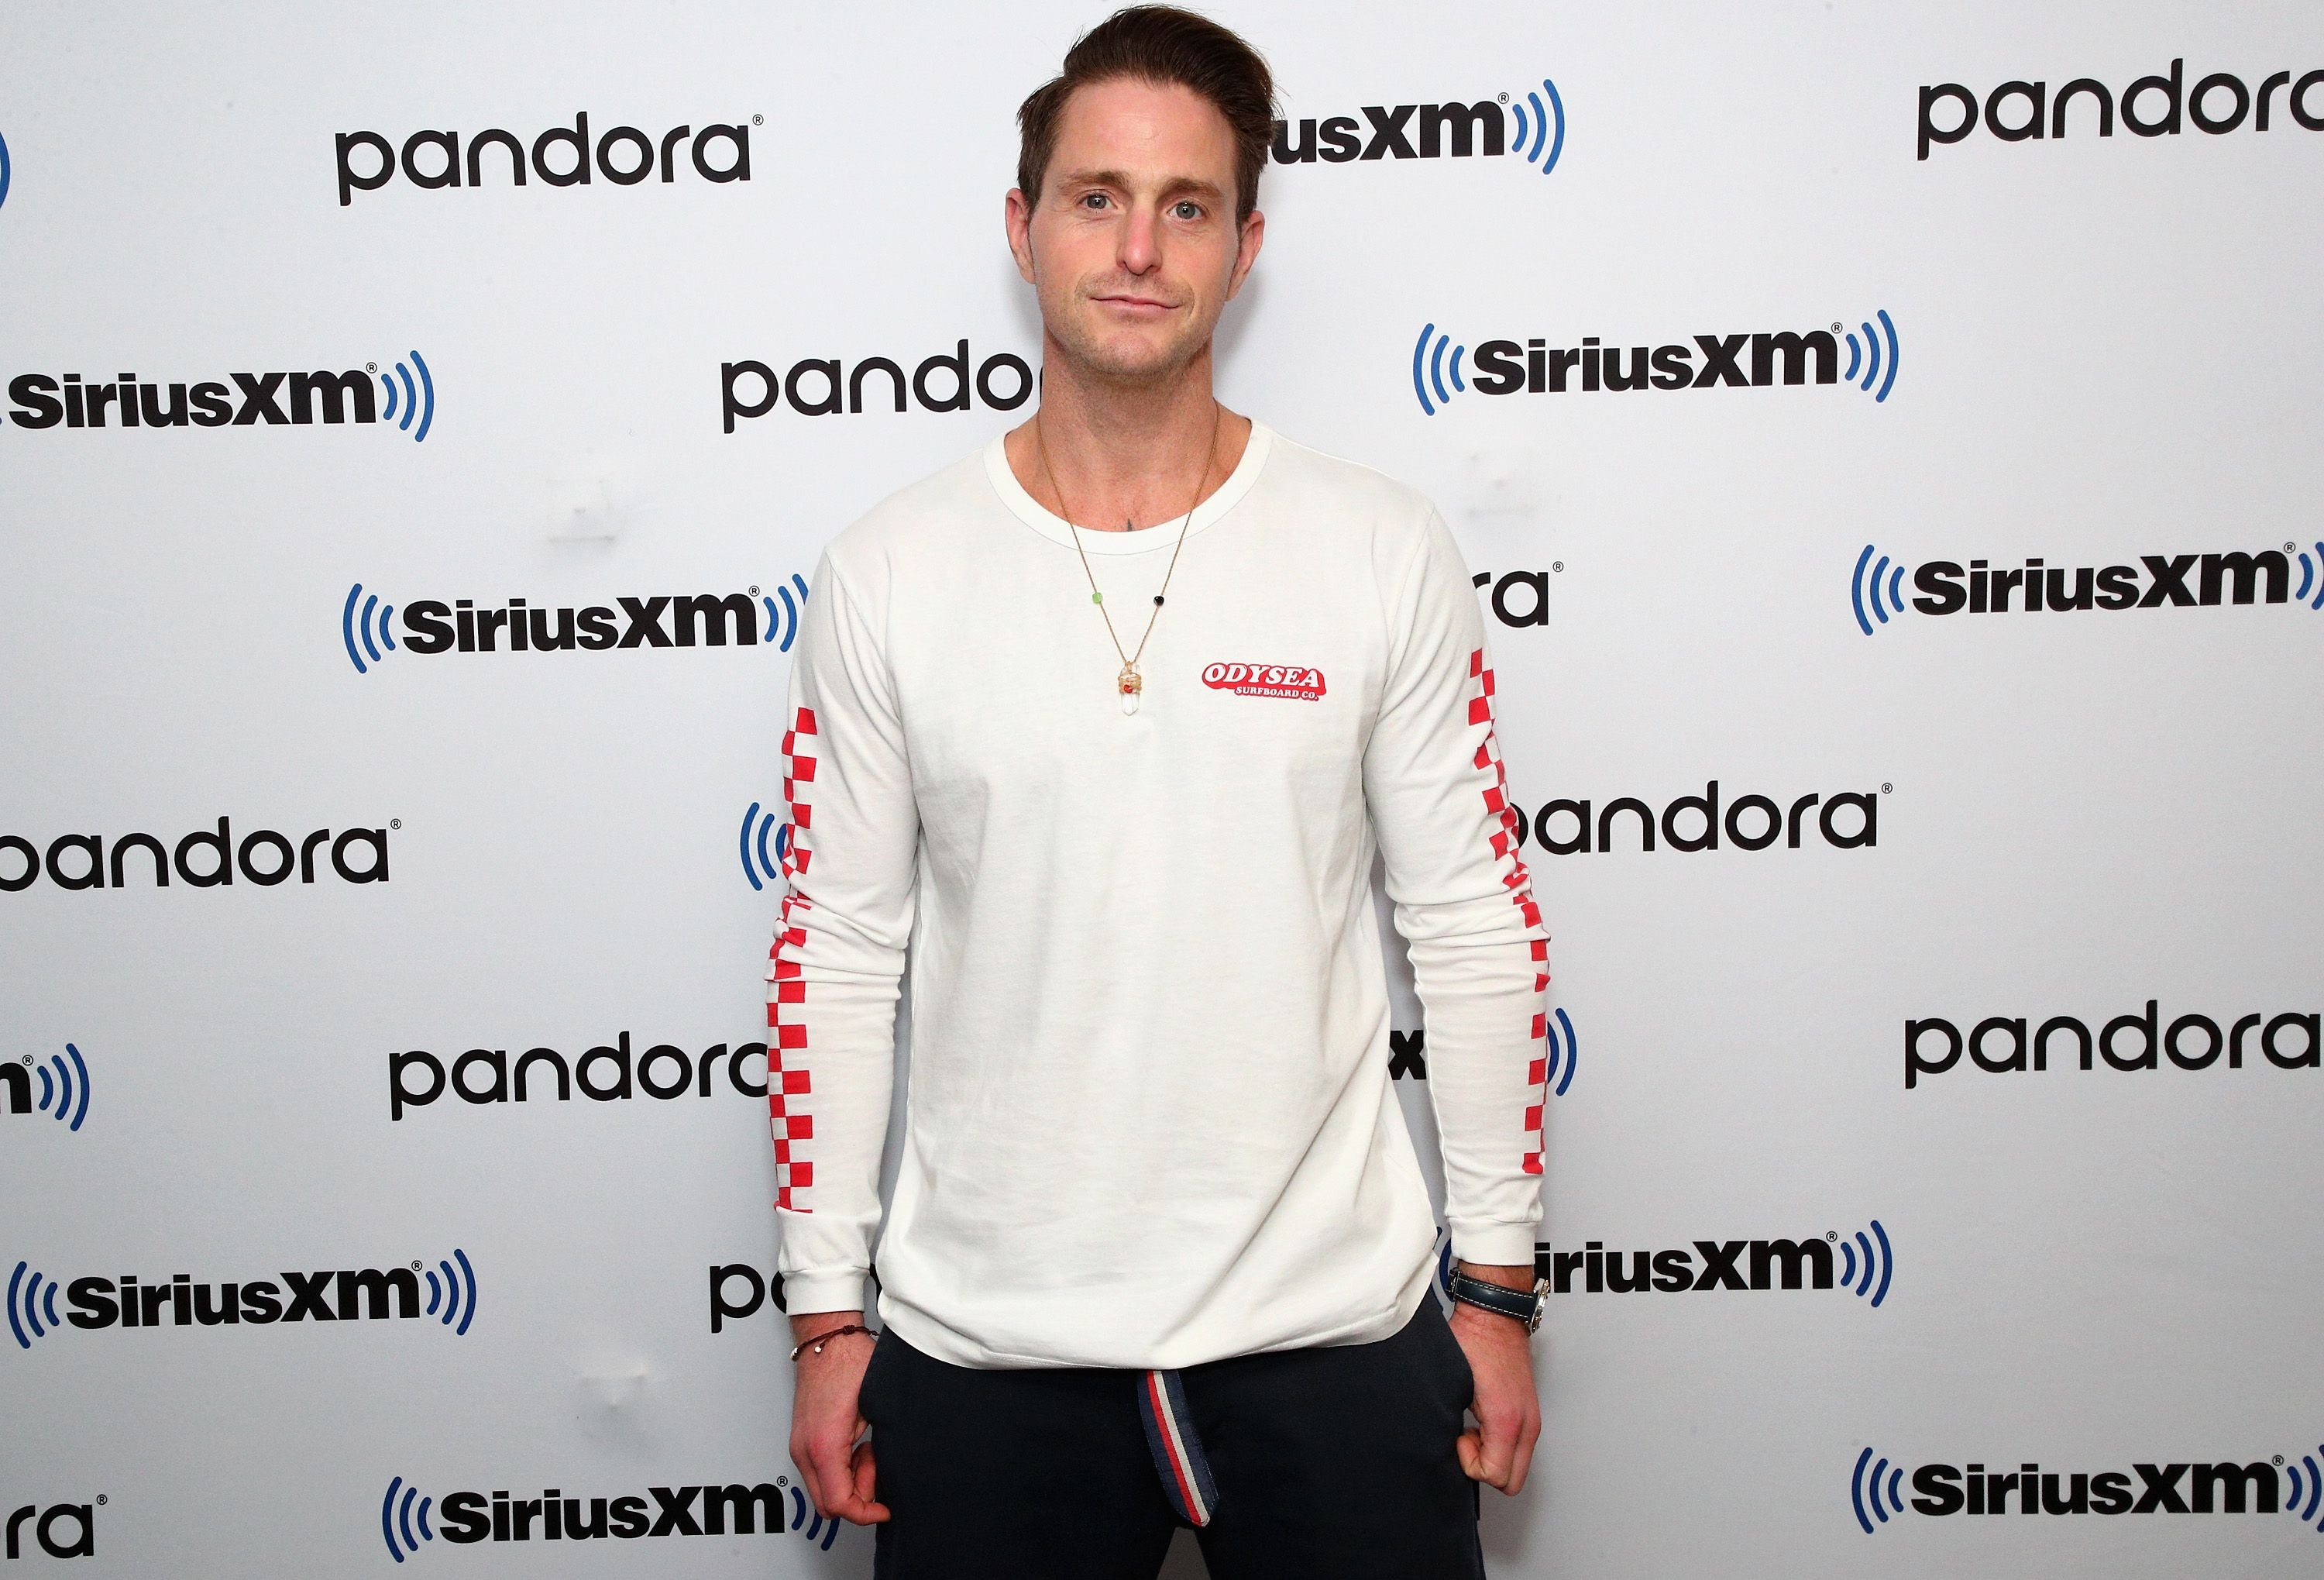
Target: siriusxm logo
(1875, 589)
(406, 401)
(1862, 1265)
(265, 858)
(736, 1509)
(1875, 1489)
(367, 624)
(1844, 820)
(64, 1086)
(605, 1074)
(45, 1522)
(626, 156)
(2000, 1045)
(1407, 1053)
(1531, 126)
(346, 1295)
(1507, 367)
(762, 865)
(2151, 106)
(814, 385)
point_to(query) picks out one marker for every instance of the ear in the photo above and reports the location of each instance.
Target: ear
(1252, 233)
(1018, 215)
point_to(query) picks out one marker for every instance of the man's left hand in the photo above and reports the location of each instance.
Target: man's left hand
(1498, 1450)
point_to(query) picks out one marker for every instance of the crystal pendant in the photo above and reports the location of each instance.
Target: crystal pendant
(1130, 685)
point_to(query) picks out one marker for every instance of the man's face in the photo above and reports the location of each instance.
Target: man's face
(1133, 248)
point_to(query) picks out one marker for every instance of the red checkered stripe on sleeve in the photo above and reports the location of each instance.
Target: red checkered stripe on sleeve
(1508, 833)
(791, 1115)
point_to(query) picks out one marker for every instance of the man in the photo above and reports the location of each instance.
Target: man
(1159, 1252)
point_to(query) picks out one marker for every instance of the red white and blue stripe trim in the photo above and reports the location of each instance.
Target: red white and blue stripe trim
(1179, 1456)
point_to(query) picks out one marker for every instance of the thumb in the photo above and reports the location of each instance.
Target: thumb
(1477, 1463)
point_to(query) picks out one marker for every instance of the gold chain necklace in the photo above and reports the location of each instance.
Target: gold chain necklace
(1130, 682)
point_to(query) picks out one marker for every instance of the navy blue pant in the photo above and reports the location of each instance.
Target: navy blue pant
(1335, 1462)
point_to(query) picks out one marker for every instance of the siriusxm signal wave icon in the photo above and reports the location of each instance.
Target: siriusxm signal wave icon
(398, 1519)
(1867, 356)
(2311, 1487)
(1564, 1052)
(1548, 126)
(375, 618)
(64, 1086)
(803, 1513)
(759, 830)
(789, 622)
(417, 400)
(1862, 1261)
(30, 1299)
(1881, 589)
(1428, 357)
(1878, 1486)
(2311, 575)
(4, 171)
(454, 1300)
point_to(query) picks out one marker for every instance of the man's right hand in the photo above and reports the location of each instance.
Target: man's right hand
(828, 1442)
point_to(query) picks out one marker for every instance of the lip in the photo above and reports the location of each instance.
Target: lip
(1138, 304)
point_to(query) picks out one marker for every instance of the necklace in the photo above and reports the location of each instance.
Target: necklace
(1130, 682)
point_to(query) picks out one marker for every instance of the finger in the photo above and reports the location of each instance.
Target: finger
(1521, 1460)
(830, 1482)
(1496, 1450)
(1473, 1465)
(865, 1484)
(803, 1457)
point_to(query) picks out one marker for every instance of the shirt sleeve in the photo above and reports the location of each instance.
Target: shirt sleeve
(1448, 836)
(837, 960)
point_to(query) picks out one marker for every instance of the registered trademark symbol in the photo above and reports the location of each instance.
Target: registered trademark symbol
(101, 1498)
(1885, 787)
(1557, 565)
(397, 823)
(2279, 1459)
(784, 1481)
(758, 120)
(1832, 1233)
(371, 367)
(754, 589)
(1505, 98)
(1835, 326)
(415, 1264)
(2288, 548)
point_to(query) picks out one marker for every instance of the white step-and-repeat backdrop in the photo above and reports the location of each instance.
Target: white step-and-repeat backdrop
(1886, 438)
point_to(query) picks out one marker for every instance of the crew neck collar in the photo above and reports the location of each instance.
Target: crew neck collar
(1029, 510)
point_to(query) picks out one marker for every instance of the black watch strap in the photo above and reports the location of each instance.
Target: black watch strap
(1524, 1304)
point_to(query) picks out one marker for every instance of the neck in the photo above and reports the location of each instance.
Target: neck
(1142, 454)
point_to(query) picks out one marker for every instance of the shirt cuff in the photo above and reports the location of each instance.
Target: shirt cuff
(1493, 1245)
(805, 1294)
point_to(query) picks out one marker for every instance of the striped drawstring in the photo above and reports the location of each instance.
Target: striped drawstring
(1179, 1456)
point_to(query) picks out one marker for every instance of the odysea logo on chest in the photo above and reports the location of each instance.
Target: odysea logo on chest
(1295, 680)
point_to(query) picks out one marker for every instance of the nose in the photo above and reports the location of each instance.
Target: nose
(1140, 250)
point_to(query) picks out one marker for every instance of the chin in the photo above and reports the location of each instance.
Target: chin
(1132, 359)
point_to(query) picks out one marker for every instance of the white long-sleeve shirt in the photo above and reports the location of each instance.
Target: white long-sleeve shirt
(1151, 1116)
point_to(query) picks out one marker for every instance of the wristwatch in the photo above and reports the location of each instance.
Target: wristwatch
(1526, 1306)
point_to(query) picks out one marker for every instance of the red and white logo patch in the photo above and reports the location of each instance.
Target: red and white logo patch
(1296, 681)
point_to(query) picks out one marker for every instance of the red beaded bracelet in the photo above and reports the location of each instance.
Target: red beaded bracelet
(819, 1340)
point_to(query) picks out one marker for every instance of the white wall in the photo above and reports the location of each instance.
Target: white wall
(2106, 349)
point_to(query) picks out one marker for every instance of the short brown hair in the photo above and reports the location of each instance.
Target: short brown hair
(1163, 45)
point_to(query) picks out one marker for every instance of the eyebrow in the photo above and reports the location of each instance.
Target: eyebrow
(1176, 187)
